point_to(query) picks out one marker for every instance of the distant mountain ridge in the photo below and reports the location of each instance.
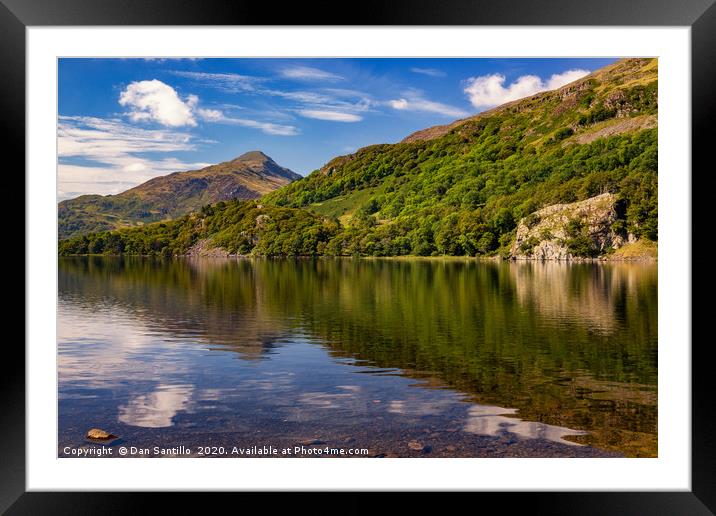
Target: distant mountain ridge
(249, 176)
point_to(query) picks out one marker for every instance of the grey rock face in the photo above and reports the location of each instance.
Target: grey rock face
(543, 235)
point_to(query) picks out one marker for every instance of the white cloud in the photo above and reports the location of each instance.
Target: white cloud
(342, 105)
(115, 155)
(336, 105)
(210, 115)
(108, 155)
(489, 90)
(228, 82)
(307, 73)
(432, 72)
(414, 101)
(266, 127)
(155, 101)
(307, 97)
(560, 79)
(325, 97)
(217, 116)
(333, 116)
(75, 180)
(101, 138)
(158, 102)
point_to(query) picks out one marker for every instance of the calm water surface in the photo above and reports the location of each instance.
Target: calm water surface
(407, 358)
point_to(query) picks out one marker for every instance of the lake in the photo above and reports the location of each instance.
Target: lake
(360, 357)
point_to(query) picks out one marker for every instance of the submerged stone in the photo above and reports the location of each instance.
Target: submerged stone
(99, 435)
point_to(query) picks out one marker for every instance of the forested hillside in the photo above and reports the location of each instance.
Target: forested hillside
(459, 189)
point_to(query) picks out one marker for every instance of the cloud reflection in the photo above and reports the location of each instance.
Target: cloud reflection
(420, 407)
(487, 420)
(156, 409)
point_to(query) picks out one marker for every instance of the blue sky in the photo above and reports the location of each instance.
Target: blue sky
(124, 121)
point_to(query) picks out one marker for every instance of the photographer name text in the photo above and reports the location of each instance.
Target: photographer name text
(212, 451)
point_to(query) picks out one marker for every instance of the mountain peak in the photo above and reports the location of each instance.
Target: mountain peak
(260, 163)
(249, 176)
(254, 155)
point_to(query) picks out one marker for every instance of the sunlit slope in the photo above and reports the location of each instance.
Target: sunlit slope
(460, 189)
(247, 177)
(481, 175)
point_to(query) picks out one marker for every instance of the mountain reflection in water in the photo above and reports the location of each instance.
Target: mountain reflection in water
(368, 351)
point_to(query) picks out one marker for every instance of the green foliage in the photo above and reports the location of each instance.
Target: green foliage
(585, 100)
(578, 241)
(532, 220)
(582, 246)
(574, 228)
(546, 234)
(637, 100)
(597, 114)
(461, 193)
(528, 245)
(239, 227)
(561, 134)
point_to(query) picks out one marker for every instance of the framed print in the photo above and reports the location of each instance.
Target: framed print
(456, 240)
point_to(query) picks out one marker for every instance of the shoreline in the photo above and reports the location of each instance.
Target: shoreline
(601, 259)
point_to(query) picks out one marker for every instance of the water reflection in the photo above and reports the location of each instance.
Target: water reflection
(156, 409)
(485, 420)
(593, 296)
(339, 342)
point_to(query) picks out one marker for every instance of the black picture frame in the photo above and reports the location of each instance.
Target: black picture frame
(700, 15)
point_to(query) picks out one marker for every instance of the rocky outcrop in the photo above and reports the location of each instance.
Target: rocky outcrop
(204, 249)
(614, 126)
(584, 229)
(629, 70)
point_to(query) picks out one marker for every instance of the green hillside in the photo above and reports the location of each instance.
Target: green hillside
(247, 177)
(459, 189)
